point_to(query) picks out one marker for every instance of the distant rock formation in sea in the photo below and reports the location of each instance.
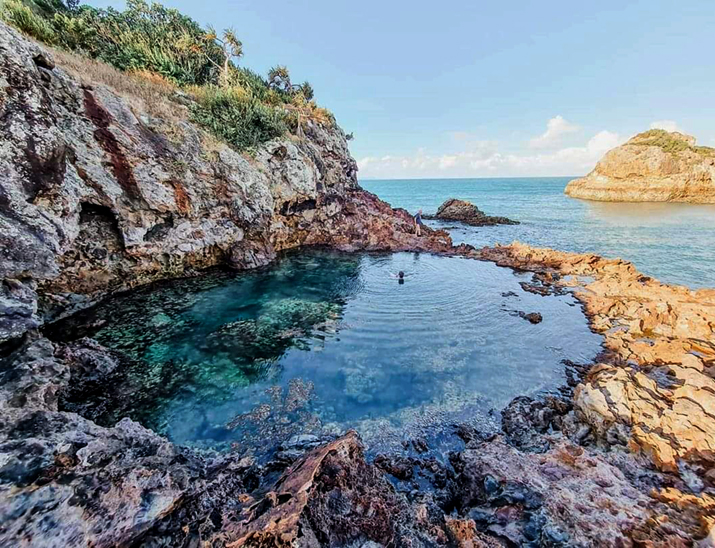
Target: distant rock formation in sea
(654, 166)
(466, 212)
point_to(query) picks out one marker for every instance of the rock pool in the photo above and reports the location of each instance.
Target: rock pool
(321, 342)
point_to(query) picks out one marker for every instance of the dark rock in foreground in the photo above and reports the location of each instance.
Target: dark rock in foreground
(468, 213)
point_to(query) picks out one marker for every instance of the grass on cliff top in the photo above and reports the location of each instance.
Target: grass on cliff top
(164, 51)
(668, 143)
(146, 91)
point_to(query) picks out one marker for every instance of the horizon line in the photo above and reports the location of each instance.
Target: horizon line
(466, 178)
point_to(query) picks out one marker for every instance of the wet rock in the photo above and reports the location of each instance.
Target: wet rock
(468, 213)
(331, 497)
(524, 421)
(397, 466)
(532, 317)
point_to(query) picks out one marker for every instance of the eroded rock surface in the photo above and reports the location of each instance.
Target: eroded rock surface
(654, 166)
(467, 213)
(658, 384)
(654, 390)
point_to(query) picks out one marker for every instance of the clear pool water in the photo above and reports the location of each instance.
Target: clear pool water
(322, 342)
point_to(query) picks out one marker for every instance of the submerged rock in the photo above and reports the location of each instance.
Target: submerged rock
(654, 166)
(468, 213)
(532, 317)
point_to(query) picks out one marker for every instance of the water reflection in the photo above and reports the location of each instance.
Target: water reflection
(648, 214)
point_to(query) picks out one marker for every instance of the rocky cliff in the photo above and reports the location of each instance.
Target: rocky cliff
(655, 166)
(99, 193)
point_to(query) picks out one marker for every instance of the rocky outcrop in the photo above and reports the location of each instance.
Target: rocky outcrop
(546, 483)
(656, 391)
(655, 166)
(98, 194)
(467, 213)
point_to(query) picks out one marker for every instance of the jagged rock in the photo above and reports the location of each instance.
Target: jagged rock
(654, 166)
(563, 497)
(331, 497)
(468, 213)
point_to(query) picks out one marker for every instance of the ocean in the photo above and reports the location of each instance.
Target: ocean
(674, 243)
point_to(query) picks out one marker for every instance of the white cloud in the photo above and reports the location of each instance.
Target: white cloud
(556, 128)
(485, 158)
(667, 125)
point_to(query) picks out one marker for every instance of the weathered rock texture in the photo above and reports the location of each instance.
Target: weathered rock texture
(467, 213)
(655, 166)
(657, 390)
(64, 481)
(97, 195)
(654, 391)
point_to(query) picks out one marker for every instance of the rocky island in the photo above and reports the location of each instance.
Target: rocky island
(654, 166)
(466, 212)
(108, 183)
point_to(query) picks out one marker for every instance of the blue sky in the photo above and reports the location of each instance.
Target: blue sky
(484, 89)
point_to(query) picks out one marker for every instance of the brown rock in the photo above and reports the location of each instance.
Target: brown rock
(468, 213)
(655, 166)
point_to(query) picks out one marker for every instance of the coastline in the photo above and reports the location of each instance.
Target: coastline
(605, 434)
(626, 459)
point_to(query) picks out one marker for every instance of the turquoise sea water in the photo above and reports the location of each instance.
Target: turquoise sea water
(672, 242)
(321, 342)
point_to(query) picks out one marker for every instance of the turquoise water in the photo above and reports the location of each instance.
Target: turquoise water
(672, 242)
(321, 342)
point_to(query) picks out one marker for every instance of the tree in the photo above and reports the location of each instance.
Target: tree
(231, 47)
(307, 90)
(279, 79)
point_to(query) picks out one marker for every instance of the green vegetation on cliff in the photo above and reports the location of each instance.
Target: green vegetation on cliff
(149, 40)
(669, 142)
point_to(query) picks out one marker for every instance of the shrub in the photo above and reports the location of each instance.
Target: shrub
(27, 20)
(665, 141)
(239, 118)
(149, 39)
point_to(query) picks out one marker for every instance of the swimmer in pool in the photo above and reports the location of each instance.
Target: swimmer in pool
(400, 276)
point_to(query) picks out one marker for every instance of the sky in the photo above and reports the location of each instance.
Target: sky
(461, 88)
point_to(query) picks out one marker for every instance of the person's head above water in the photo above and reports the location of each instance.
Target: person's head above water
(401, 274)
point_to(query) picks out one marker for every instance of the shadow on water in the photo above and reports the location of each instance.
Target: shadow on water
(321, 342)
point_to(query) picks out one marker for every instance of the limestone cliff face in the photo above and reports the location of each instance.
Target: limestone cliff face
(97, 194)
(655, 166)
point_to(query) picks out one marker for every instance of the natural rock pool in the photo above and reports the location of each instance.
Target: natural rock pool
(321, 342)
